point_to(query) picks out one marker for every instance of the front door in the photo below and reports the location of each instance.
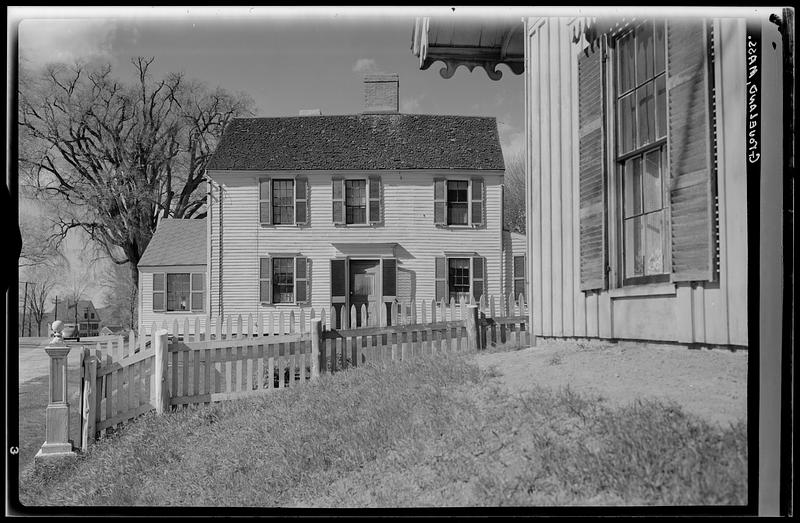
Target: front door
(364, 280)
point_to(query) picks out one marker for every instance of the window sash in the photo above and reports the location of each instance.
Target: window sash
(282, 280)
(355, 200)
(283, 202)
(458, 278)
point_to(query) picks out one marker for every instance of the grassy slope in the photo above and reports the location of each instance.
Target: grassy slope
(424, 433)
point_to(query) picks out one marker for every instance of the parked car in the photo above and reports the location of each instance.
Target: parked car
(71, 332)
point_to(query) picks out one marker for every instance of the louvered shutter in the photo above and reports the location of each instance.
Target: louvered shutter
(440, 276)
(302, 274)
(692, 188)
(477, 200)
(439, 201)
(159, 292)
(478, 277)
(338, 280)
(389, 279)
(265, 280)
(591, 169)
(338, 200)
(264, 201)
(375, 200)
(301, 201)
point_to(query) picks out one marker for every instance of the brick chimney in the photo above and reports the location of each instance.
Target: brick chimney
(381, 93)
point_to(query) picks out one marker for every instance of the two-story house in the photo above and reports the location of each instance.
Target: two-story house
(350, 210)
(83, 314)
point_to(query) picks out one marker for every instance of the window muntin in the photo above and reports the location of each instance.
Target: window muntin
(458, 278)
(355, 201)
(178, 292)
(283, 202)
(641, 150)
(457, 202)
(283, 280)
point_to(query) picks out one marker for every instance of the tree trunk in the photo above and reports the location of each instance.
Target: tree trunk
(133, 294)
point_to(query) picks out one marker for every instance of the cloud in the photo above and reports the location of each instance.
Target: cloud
(512, 139)
(410, 105)
(67, 40)
(365, 65)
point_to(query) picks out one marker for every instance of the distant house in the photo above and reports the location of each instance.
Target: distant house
(85, 315)
(347, 210)
(173, 274)
(112, 330)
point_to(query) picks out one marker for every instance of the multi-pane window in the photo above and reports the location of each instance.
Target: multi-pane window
(282, 280)
(458, 278)
(641, 149)
(355, 201)
(283, 202)
(176, 292)
(457, 202)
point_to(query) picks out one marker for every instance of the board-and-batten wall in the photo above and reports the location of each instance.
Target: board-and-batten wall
(407, 221)
(710, 313)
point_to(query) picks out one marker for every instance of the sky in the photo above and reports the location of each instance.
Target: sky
(285, 59)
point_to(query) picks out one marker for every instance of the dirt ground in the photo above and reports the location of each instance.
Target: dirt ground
(710, 383)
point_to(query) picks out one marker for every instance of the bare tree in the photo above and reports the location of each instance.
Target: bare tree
(120, 156)
(120, 297)
(42, 283)
(514, 194)
(38, 245)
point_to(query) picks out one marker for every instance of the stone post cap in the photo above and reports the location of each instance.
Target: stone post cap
(56, 327)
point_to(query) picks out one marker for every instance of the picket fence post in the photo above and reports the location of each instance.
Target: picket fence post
(316, 335)
(161, 400)
(471, 322)
(89, 407)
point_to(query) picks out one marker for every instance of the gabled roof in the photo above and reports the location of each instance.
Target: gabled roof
(176, 242)
(365, 141)
(82, 305)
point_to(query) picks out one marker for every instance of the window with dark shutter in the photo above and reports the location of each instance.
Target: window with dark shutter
(440, 201)
(159, 282)
(591, 169)
(264, 280)
(641, 146)
(301, 201)
(264, 201)
(337, 186)
(283, 202)
(692, 186)
(477, 201)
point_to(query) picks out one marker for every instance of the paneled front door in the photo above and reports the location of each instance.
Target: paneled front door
(364, 282)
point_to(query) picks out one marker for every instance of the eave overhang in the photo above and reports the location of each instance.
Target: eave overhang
(471, 43)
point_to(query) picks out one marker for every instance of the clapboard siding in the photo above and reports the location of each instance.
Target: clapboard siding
(699, 312)
(514, 244)
(407, 221)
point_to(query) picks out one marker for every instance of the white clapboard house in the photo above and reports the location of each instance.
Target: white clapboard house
(347, 210)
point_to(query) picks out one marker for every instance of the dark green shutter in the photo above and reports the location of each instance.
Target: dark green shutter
(478, 277)
(389, 278)
(591, 170)
(477, 199)
(264, 201)
(375, 200)
(440, 276)
(338, 200)
(264, 280)
(159, 292)
(692, 187)
(439, 201)
(301, 201)
(301, 277)
(338, 281)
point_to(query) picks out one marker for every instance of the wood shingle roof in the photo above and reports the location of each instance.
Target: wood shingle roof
(364, 141)
(176, 242)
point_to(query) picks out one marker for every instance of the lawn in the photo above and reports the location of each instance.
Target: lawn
(428, 432)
